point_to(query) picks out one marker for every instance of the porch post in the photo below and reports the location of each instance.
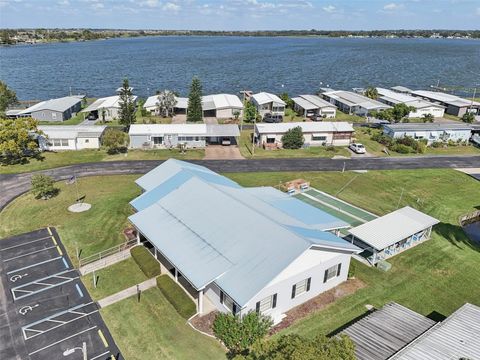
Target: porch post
(138, 238)
(176, 275)
(200, 302)
(156, 257)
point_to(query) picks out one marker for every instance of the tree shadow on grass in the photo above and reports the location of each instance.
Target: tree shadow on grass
(455, 235)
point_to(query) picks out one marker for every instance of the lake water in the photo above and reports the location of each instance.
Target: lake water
(230, 64)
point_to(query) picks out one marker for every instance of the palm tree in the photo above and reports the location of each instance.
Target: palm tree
(371, 92)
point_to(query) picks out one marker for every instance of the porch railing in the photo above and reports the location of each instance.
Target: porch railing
(108, 252)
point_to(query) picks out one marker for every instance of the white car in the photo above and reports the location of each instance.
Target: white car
(357, 148)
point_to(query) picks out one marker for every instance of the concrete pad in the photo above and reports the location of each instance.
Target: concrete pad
(80, 207)
(219, 152)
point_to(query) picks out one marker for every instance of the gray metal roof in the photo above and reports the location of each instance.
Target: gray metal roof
(203, 225)
(401, 89)
(382, 333)
(428, 126)
(392, 228)
(59, 104)
(456, 337)
(310, 102)
(231, 130)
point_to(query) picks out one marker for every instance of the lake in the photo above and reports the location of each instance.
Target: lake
(230, 64)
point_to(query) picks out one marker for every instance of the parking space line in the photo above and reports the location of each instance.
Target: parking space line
(60, 341)
(47, 285)
(100, 333)
(59, 323)
(54, 241)
(33, 265)
(33, 252)
(65, 262)
(49, 230)
(27, 243)
(80, 292)
(99, 356)
(59, 251)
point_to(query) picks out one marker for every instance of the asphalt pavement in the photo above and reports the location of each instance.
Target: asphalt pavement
(13, 185)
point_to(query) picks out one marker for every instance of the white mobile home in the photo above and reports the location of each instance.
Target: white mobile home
(432, 132)
(422, 107)
(315, 133)
(312, 106)
(454, 105)
(220, 106)
(194, 220)
(164, 136)
(353, 103)
(267, 103)
(70, 137)
(107, 108)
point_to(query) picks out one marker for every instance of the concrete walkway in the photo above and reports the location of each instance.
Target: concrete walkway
(106, 261)
(131, 291)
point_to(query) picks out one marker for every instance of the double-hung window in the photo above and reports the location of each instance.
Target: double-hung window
(268, 303)
(332, 272)
(301, 287)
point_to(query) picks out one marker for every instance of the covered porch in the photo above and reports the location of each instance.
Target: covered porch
(203, 304)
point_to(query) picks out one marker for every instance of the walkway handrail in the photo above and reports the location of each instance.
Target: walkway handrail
(102, 254)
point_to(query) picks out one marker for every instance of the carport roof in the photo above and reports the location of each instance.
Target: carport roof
(392, 228)
(228, 130)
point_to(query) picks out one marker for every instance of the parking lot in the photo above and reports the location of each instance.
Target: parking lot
(45, 311)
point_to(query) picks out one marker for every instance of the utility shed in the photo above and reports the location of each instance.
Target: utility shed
(457, 337)
(384, 332)
(393, 233)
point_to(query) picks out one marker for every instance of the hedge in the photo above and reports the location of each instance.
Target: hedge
(145, 260)
(176, 296)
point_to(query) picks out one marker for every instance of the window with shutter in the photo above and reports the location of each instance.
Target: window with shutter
(300, 288)
(332, 272)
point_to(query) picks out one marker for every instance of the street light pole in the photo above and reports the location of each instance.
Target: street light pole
(83, 349)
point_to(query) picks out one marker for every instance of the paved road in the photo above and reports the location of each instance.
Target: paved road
(14, 185)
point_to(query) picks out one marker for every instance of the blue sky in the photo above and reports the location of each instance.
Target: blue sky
(242, 14)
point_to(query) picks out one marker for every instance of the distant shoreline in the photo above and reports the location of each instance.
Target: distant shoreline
(49, 36)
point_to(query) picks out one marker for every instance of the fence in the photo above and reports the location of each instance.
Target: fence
(103, 254)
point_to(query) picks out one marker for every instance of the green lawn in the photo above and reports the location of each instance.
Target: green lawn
(341, 116)
(64, 158)
(113, 279)
(97, 229)
(439, 275)
(245, 147)
(152, 329)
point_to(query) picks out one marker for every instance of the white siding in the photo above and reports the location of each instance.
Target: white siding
(308, 139)
(88, 143)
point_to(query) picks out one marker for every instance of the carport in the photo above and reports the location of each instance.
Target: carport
(222, 134)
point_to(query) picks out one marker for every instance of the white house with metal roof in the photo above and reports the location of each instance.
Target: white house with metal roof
(267, 103)
(312, 106)
(315, 133)
(393, 233)
(234, 249)
(107, 108)
(59, 109)
(164, 136)
(220, 106)
(70, 137)
(353, 103)
(455, 105)
(422, 107)
(432, 132)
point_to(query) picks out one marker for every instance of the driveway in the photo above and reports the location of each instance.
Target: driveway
(219, 152)
(179, 119)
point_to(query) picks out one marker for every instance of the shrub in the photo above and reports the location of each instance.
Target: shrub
(330, 148)
(239, 334)
(176, 296)
(115, 141)
(437, 144)
(43, 187)
(293, 138)
(145, 260)
(468, 118)
(401, 149)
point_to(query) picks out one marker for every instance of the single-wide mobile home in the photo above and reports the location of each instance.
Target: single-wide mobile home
(70, 137)
(197, 224)
(164, 136)
(432, 132)
(267, 103)
(315, 133)
(422, 107)
(313, 106)
(60, 109)
(454, 105)
(107, 108)
(353, 103)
